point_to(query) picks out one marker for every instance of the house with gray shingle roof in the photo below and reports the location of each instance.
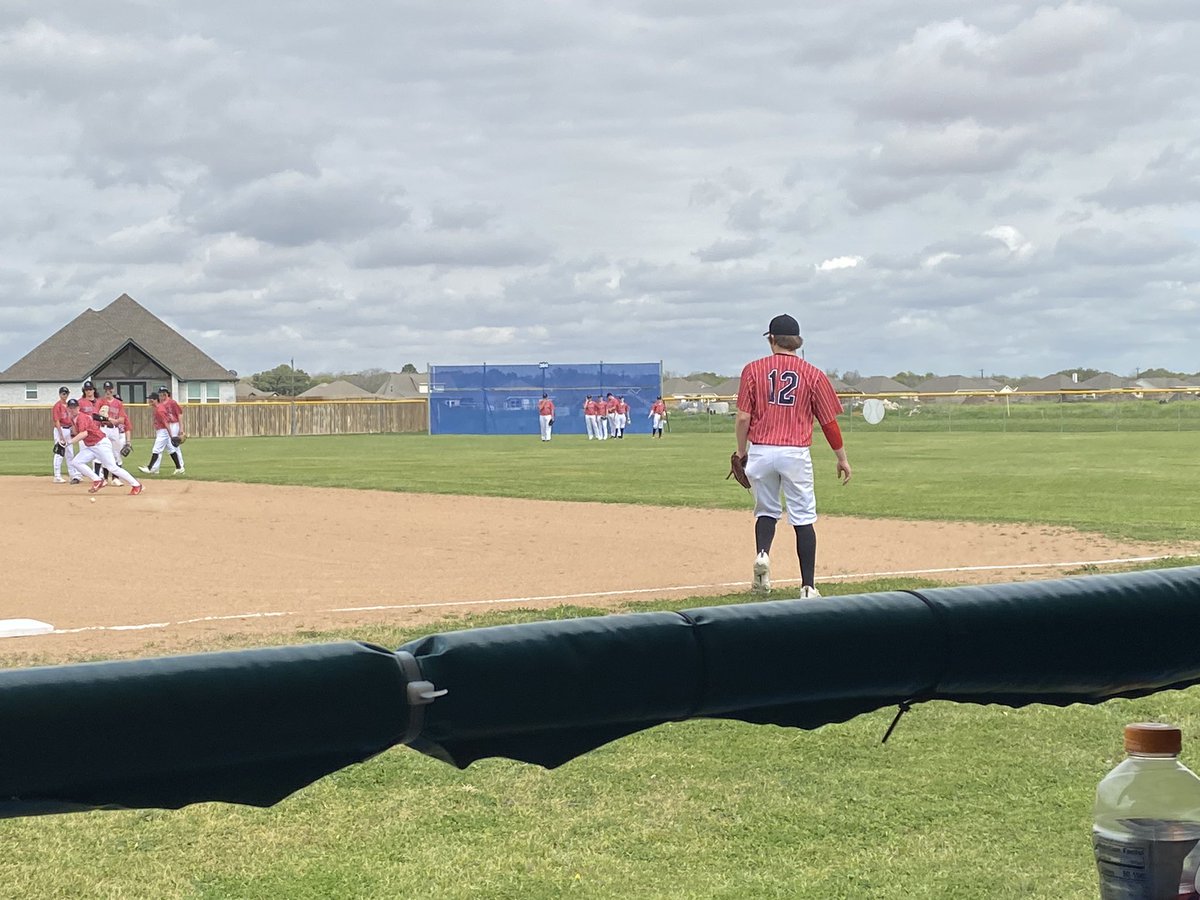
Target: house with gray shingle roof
(683, 387)
(1165, 390)
(881, 384)
(404, 386)
(962, 385)
(1060, 388)
(248, 393)
(728, 388)
(1105, 381)
(123, 343)
(336, 390)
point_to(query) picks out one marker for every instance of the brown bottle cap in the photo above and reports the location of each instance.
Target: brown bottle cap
(1152, 737)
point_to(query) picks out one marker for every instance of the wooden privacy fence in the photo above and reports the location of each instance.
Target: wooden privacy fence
(260, 419)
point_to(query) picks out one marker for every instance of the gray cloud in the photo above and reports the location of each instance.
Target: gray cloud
(1171, 178)
(291, 209)
(927, 186)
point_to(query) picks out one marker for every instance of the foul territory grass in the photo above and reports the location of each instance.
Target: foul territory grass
(1140, 486)
(963, 802)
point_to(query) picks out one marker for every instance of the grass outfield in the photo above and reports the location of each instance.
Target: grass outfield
(1140, 486)
(963, 802)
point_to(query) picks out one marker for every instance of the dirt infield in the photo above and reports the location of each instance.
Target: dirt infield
(187, 562)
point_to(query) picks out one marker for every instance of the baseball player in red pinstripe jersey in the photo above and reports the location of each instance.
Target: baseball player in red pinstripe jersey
(546, 416)
(61, 416)
(779, 397)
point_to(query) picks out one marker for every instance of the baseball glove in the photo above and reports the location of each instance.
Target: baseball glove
(60, 449)
(126, 450)
(551, 423)
(737, 470)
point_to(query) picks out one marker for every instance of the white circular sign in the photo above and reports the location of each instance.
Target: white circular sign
(873, 411)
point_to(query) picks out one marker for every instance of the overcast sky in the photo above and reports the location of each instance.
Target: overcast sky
(928, 185)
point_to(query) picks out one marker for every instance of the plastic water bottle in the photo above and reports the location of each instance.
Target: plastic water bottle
(1147, 820)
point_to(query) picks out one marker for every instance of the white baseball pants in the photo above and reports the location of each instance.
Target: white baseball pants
(103, 454)
(62, 435)
(788, 471)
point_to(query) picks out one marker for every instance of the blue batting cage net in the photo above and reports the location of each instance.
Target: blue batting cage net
(504, 399)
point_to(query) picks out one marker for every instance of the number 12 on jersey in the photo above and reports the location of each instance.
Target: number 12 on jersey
(783, 387)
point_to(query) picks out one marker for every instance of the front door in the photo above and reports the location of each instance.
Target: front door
(132, 391)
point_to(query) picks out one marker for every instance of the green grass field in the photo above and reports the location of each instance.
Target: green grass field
(998, 416)
(963, 801)
(1140, 486)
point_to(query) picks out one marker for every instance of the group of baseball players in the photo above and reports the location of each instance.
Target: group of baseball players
(101, 428)
(604, 416)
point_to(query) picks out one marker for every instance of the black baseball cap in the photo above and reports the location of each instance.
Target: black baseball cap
(72, 402)
(163, 389)
(64, 390)
(88, 384)
(783, 325)
(107, 385)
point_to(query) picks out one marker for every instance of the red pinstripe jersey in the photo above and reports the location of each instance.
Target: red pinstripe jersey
(61, 414)
(173, 410)
(783, 394)
(116, 409)
(159, 415)
(85, 423)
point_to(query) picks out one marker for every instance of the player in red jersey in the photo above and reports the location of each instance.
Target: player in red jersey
(779, 397)
(174, 413)
(608, 420)
(162, 437)
(61, 418)
(112, 414)
(89, 403)
(97, 448)
(657, 415)
(545, 416)
(591, 418)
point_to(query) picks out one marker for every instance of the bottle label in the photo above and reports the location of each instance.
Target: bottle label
(1144, 868)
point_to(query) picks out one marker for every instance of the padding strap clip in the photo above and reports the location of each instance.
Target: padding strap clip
(419, 693)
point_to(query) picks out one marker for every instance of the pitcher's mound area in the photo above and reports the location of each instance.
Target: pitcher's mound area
(187, 561)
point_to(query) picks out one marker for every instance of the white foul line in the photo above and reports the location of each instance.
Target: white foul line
(594, 594)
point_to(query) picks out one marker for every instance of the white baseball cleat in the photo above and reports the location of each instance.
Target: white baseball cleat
(178, 471)
(809, 593)
(144, 469)
(58, 479)
(762, 574)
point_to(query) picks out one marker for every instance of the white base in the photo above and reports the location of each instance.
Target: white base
(20, 627)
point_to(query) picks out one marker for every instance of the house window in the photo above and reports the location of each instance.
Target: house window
(214, 392)
(194, 388)
(31, 391)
